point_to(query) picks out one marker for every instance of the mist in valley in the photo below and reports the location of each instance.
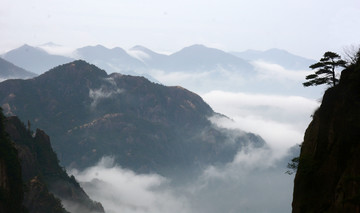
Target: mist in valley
(254, 182)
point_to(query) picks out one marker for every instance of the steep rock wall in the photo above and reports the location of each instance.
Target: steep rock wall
(328, 176)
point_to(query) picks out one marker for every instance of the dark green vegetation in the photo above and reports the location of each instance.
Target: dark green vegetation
(11, 185)
(325, 70)
(146, 126)
(328, 176)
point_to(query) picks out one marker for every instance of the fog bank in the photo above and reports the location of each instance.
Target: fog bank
(255, 181)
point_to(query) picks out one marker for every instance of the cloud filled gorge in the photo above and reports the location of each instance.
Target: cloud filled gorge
(253, 182)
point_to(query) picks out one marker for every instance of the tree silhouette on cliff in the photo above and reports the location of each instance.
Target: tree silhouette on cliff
(325, 70)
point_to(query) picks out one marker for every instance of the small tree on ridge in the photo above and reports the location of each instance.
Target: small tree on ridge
(325, 70)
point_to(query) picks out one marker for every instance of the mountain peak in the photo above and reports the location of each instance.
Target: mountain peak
(81, 65)
(76, 69)
(139, 47)
(201, 57)
(34, 59)
(277, 51)
(100, 52)
(195, 47)
(50, 44)
(27, 48)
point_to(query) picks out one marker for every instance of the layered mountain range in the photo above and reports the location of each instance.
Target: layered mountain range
(193, 58)
(136, 60)
(197, 67)
(146, 126)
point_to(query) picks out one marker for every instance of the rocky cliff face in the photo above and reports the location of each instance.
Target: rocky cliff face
(11, 187)
(328, 176)
(46, 182)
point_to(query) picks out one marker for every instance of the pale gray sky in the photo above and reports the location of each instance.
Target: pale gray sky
(305, 27)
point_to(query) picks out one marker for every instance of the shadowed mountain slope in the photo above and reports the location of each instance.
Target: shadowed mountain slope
(146, 126)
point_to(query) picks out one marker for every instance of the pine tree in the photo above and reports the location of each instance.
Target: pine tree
(325, 70)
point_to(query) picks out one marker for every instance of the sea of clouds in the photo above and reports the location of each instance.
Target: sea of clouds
(272, 103)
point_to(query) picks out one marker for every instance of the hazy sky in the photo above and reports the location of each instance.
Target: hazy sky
(306, 27)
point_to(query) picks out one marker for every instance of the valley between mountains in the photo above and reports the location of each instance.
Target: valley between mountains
(137, 145)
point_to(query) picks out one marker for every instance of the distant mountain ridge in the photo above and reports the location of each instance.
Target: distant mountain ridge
(34, 59)
(112, 60)
(146, 126)
(277, 56)
(192, 58)
(200, 68)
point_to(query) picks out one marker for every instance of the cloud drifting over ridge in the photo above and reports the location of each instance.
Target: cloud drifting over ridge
(280, 120)
(98, 94)
(55, 49)
(266, 78)
(269, 71)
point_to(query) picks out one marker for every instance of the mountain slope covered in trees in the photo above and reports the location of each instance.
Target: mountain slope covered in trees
(146, 126)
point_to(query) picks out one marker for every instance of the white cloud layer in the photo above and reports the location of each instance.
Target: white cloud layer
(253, 182)
(266, 78)
(98, 94)
(280, 120)
(269, 71)
(123, 191)
(58, 50)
